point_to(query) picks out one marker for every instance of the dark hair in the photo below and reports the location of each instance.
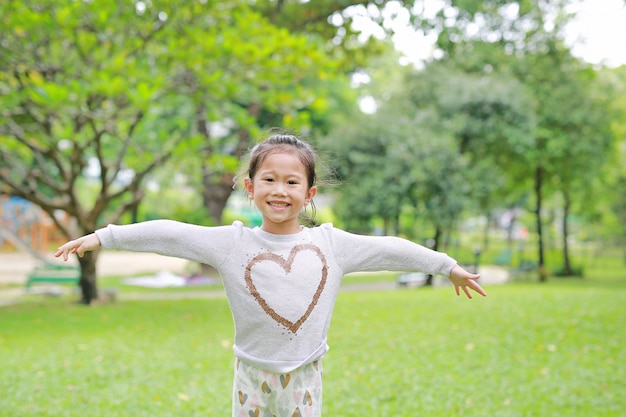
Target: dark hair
(284, 144)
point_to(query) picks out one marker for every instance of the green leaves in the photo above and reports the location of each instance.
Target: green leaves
(126, 87)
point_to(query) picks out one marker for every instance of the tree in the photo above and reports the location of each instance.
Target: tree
(333, 21)
(80, 90)
(124, 88)
(297, 86)
(373, 188)
(614, 186)
(529, 37)
(270, 78)
(572, 135)
(489, 115)
(403, 155)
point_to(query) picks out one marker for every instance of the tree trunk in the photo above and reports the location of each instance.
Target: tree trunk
(567, 267)
(488, 218)
(216, 191)
(538, 208)
(88, 283)
(511, 228)
(385, 226)
(215, 194)
(396, 224)
(436, 238)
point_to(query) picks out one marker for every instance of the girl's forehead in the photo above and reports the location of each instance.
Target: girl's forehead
(282, 161)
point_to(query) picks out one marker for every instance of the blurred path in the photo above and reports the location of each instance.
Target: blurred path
(14, 268)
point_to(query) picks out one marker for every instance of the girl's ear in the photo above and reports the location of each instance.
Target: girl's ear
(310, 194)
(247, 182)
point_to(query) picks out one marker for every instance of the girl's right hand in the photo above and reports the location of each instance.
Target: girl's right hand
(78, 246)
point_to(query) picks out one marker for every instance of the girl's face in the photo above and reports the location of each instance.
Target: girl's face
(280, 190)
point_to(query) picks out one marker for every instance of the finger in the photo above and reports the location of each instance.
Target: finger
(64, 251)
(61, 252)
(479, 289)
(456, 289)
(467, 292)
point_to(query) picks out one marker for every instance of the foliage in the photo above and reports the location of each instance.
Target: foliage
(334, 22)
(431, 126)
(489, 115)
(516, 121)
(615, 174)
(77, 90)
(115, 91)
(558, 357)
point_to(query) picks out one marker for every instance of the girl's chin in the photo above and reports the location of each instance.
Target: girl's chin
(281, 226)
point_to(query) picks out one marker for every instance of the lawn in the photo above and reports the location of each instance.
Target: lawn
(555, 349)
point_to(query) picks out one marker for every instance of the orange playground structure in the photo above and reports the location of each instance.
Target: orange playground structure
(25, 227)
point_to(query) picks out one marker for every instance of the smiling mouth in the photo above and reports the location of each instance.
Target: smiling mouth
(279, 205)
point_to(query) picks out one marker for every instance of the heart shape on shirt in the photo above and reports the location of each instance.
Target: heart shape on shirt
(286, 265)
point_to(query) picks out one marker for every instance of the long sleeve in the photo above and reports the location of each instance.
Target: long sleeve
(377, 253)
(166, 237)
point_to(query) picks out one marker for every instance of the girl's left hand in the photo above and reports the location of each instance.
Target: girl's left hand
(465, 280)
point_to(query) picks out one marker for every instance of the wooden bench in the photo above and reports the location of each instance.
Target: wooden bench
(53, 274)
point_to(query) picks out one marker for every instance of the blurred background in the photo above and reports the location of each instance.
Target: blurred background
(491, 130)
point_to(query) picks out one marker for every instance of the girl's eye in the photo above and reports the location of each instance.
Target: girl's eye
(292, 182)
(269, 179)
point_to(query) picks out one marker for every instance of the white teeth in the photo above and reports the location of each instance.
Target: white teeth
(278, 204)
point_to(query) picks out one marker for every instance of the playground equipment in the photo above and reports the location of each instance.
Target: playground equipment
(24, 226)
(27, 228)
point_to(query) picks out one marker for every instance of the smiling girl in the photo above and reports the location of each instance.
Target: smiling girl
(281, 279)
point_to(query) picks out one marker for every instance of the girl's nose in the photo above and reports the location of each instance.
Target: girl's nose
(279, 189)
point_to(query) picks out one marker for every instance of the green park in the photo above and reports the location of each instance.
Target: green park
(500, 144)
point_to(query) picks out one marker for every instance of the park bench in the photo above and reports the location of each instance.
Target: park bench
(411, 278)
(504, 258)
(53, 274)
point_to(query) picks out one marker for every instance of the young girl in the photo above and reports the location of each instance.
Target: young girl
(281, 279)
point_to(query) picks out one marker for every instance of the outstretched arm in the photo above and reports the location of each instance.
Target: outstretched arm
(465, 280)
(78, 246)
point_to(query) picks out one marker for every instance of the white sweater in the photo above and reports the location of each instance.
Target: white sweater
(281, 288)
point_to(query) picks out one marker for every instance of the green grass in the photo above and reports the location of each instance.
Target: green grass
(555, 349)
(526, 350)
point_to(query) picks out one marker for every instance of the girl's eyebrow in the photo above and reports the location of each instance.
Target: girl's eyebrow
(289, 175)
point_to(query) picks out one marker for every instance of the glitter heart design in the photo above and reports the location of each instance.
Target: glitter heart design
(286, 265)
